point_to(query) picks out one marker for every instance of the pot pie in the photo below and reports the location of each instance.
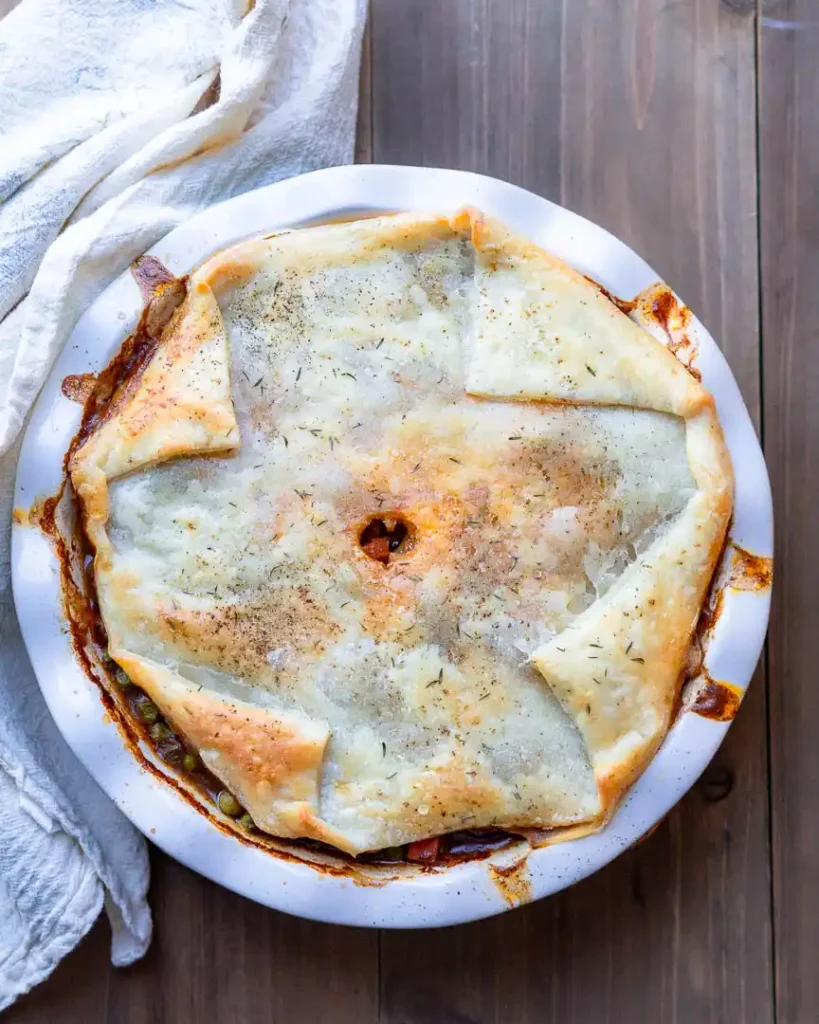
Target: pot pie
(405, 528)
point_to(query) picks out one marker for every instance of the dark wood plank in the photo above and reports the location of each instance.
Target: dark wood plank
(215, 957)
(456, 85)
(364, 127)
(789, 207)
(640, 116)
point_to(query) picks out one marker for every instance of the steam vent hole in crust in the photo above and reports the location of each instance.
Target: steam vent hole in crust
(385, 536)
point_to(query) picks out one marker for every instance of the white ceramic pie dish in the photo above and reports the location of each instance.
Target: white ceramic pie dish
(457, 893)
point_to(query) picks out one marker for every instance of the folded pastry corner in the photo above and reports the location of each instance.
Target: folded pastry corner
(271, 760)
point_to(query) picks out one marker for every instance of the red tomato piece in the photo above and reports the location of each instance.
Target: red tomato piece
(424, 851)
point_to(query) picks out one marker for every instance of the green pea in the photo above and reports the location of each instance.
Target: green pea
(246, 821)
(228, 804)
(159, 731)
(189, 762)
(120, 678)
(148, 712)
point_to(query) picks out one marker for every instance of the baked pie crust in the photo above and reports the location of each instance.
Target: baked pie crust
(406, 527)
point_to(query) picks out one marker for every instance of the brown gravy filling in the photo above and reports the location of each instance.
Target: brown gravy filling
(138, 717)
(716, 700)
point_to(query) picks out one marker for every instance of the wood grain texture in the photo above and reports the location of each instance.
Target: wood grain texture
(789, 206)
(364, 131)
(640, 116)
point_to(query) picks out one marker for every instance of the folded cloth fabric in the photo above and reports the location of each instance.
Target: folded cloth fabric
(118, 121)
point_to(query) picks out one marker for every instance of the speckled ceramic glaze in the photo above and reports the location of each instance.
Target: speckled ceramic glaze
(450, 895)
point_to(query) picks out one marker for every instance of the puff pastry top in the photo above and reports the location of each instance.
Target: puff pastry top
(562, 479)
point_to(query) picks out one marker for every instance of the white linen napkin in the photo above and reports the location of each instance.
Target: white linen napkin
(118, 121)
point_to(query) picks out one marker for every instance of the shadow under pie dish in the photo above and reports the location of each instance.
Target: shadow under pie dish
(405, 529)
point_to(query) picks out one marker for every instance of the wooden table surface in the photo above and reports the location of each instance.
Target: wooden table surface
(689, 129)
